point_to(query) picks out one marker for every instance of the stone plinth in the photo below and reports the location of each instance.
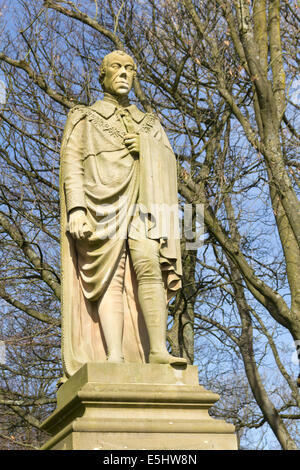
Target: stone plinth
(136, 406)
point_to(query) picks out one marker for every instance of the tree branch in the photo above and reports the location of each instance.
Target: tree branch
(44, 270)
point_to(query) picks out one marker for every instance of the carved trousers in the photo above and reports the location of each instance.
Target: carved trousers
(145, 259)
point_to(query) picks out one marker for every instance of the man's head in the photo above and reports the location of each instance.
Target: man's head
(117, 72)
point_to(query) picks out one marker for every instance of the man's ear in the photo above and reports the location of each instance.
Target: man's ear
(101, 78)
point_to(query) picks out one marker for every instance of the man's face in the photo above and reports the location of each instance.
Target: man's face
(119, 75)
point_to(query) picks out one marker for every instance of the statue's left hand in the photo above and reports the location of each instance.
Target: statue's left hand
(132, 142)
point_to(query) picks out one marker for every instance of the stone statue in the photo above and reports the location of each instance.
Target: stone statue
(119, 266)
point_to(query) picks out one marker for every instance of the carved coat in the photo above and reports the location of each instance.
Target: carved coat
(99, 174)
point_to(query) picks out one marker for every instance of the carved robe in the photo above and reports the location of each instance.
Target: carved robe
(98, 173)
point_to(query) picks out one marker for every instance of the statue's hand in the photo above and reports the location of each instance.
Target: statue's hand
(132, 142)
(79, 226)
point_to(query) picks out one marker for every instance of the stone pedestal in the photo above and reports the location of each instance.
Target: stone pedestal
(136, 406)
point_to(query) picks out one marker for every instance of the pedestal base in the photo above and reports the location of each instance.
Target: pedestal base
(136, 406)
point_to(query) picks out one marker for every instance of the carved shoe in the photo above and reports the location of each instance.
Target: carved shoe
(166, 358)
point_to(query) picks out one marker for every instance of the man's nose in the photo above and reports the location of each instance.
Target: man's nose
(123, 72)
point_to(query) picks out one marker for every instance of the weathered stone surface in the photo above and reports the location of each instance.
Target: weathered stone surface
(122, 388)
(120, 245)
(137, 406)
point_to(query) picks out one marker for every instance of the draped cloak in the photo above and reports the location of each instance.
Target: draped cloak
(98, 173)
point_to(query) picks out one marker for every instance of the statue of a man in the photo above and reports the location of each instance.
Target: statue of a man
(119, 266)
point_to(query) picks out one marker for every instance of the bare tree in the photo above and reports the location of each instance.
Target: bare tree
(219, 75)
